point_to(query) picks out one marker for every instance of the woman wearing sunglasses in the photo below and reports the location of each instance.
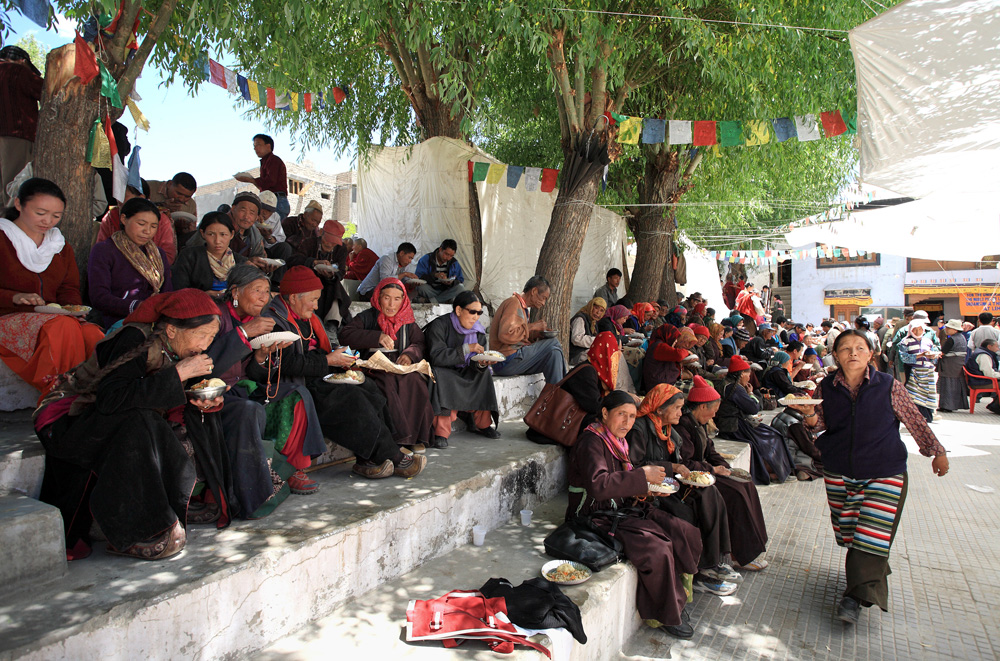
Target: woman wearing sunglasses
(461, 383)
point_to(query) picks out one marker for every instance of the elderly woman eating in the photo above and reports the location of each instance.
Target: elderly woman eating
(206, 265)
(352, 413)
(389, 326)
(613, 321)
(38, 268)
(459, 383)
(583, 329)
(127, 268)
(605, 485)
(121, 430)
(668, 346)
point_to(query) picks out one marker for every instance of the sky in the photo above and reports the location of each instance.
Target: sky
(205, 135)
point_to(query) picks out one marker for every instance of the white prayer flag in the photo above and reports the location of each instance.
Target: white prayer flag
(680, 132)
(807, 127)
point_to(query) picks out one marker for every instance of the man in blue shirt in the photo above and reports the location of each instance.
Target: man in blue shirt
(442, 272)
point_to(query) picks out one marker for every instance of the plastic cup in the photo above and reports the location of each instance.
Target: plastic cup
(478, 535)
(525, 517)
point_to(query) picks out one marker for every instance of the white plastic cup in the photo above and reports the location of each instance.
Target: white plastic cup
(525, 517)
(478, 535)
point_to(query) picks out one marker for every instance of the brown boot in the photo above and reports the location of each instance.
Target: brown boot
(372, 470)
(410, 466)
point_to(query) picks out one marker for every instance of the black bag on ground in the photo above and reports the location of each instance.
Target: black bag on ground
(581, 541)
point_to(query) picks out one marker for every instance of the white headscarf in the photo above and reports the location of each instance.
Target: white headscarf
(34, 258)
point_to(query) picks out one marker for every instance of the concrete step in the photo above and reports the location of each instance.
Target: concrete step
(31, 536)
(233, 591)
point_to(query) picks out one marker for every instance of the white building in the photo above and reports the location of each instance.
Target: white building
(838, 287)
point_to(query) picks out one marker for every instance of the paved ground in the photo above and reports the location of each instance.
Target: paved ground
(945, 586)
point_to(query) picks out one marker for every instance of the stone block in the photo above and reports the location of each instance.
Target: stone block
(15, 393)
(31, 541)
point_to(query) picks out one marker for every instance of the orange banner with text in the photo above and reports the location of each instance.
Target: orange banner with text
(973, 304)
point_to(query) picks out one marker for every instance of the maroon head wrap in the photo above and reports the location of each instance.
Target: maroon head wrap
(180, 304)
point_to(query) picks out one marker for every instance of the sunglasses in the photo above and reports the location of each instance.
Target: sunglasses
(475, 312)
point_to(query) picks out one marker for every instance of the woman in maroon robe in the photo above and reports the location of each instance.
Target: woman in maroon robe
(661, 547)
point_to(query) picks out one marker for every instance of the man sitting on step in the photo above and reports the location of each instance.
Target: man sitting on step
(527, 349)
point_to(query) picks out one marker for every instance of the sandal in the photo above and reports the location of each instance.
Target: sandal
(757, 564)
(162, 546)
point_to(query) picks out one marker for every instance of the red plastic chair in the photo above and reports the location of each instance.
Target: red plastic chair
(974, 392)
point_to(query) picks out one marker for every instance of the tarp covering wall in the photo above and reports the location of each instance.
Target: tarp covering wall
(420, 194)
(703, 277)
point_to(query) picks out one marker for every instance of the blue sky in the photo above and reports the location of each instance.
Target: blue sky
(205, 135)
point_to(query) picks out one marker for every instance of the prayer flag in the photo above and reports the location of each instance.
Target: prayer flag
(806, 127)
(307, 102)
(680, 132)
(479, 171)
(784, 129)
(549, 178)
(758, 132)
(531, 178)
(293, 101)
(630, 130)
(495, 173)
(85, 67)
(254, 91)
(281, 101)
(232, 86)
(704, 134)
(270, 98)
(610, 120)
(109, 87)
(833, 123)
(514, 173)
(102, 150)
(244, 86)
(133, 169)
(469, 163)
(338, 95)
(653, 131)
(37, 11)
(732, 133)
(218, 73)
(91, 141)
(617, 117)
(850, 121)
(319, 99)
(206, 69)
(119, 175)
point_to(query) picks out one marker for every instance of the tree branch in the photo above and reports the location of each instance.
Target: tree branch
(427, 71)
(599, 86)
(134, 67)
(581, 86)
(692, 165)
(557, 60)
(115, 49)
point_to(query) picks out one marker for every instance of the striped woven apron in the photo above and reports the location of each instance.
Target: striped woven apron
(922, 386)
(863, 511)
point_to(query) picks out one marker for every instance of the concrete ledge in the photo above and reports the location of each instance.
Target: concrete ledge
(233, 591)
(31, 541)
(22, 458)
(15, 393)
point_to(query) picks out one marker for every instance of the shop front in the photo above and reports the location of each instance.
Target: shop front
(846, 301)
(954, 294)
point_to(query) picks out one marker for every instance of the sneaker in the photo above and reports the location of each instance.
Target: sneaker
(757, 564)
(723, 572)
(410, 466)
(848, 610)
(721, 588)
(373, 471)
(299, 483)
(488, 432)
(439, 443)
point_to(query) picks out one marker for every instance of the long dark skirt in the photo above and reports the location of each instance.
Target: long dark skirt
(661, 547)
(705, 508)
(953, 393)
(409, 405)
(355, 417)
(243, 425)
(747, 530)
(127, 471)
(769, 454)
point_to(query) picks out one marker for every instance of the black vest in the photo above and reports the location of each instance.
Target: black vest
(973, 367)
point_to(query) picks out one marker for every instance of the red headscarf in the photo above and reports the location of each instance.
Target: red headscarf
(180, 304)
(391, 325)
(604, 357)
(651, 403)
(639, 311)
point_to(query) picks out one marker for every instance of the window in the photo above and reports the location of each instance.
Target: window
(354, 193)
(831, 262)
(325, 196)
(785, 273)
(295, 187)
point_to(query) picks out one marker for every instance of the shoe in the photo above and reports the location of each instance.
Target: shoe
(410, 466)
(802, 476)
(439, 443)
(373, 471)
(791, 478)
(419, 448)
(757, 564)
(488, 432)
(723, 572)
(848, 610)
(202, 513)
(301, 484)
(684, 630)
(162, 546)
(721, 588)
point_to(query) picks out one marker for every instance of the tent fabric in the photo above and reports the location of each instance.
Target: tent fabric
(928, 75)
(420, 194)
(702, 276)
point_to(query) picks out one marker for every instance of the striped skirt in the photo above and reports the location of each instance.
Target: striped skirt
(863, 512)
(922, 386)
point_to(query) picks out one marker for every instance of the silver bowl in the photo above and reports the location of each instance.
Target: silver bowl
(205, 393)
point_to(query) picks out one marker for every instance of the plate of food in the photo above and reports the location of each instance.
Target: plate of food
(270, 339)
(549, 333)
(327, 268)
(565, 572)
(740, 475)
(489, 357)
(804, 385)
(206, 389)
(414, 281)
(668, 487)
(55, 308)
(697, 479)
(346, 378)
(635, 342)
(690, 358)
(797, 400)
(272, 262)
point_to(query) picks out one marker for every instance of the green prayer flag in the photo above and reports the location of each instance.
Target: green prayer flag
(90, 141)
(732, 133)
(479, 171)
(618, 118)
(851, 119)
(109, 87)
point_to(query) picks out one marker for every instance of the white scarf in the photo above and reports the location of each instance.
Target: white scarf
(34, 258)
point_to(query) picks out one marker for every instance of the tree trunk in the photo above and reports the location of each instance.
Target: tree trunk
(653, 228)
(67, 112)
(668, 288)
(436, 120)
(476, 220)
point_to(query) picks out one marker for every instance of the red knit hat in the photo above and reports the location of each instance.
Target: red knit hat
(180, 304)
(701, 330)
(737, 364)
(300, 279)
(702, 392)
(333, 232)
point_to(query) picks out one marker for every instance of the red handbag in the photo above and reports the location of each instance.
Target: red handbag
(462, 615)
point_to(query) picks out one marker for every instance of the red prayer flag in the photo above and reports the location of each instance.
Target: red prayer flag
(833, 123)
(270, 98)
(338, 95)
(704, 134)
(85, 68)
(470, 170)
(307, 102)
(549, 178)
(217, 74)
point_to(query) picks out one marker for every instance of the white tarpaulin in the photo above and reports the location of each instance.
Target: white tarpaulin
(928, 75)
(943, 227)
(420, 194)
(702, 276)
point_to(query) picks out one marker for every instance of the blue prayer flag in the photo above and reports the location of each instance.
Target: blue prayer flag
(784, 129)
(654, 131)
(133, 169)
(241, 82)
(37, 11)
(514, 173)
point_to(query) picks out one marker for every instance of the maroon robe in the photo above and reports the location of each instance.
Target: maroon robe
(661, 546)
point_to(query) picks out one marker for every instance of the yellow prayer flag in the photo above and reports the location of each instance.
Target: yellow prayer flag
(630, 130)
(102, 150)
(293, 100)
(758, 132)
(140, 119)
(495, 173)
(716, 151)
(254, 91)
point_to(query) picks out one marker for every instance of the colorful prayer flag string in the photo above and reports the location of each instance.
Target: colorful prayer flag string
(249, 90)
(543, 179)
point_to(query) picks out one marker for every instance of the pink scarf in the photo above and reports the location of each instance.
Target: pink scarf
(617, 446)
